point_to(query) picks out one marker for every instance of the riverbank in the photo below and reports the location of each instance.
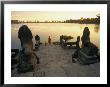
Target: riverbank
(57, 62)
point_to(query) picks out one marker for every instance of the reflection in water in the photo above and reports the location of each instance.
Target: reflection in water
(96, 28)
(55, 30)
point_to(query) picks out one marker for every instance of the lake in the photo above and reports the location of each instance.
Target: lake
(54, 30)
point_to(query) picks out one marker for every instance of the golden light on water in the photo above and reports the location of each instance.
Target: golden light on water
(51, 15)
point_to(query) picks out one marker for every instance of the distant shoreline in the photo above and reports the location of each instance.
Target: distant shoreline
(56, 22)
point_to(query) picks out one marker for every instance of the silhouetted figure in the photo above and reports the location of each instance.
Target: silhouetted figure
(89, 52)
(37, 39)
(49, 40)
(25, 36)
(85, 37)
(27, 58)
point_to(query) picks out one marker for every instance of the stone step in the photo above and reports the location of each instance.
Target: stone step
(85, 59)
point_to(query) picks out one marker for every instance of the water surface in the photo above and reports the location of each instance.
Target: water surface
(54, 30)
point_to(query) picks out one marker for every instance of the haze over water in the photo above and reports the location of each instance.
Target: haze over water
(55, 30)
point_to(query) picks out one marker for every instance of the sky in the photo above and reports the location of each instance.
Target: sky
(51, 15)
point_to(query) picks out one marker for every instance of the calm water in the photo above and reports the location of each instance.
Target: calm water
(54, 30)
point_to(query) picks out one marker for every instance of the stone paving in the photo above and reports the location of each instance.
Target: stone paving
(57, 62)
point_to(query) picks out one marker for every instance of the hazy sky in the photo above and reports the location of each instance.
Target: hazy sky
(51, 15)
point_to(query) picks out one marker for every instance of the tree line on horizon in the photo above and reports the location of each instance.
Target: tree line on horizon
(81, 21)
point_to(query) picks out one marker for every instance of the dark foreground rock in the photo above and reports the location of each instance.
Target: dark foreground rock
(88, 54)
(27, 58)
